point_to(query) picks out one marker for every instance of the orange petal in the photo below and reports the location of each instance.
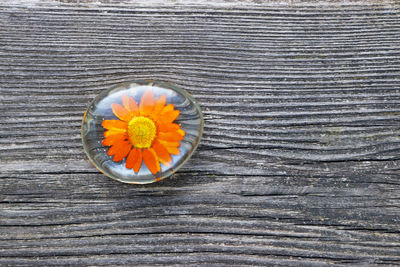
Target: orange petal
(122, 153)
(170, 136)
(169, 116)
(168, 127)
(114, 131)
(116, 147)
(167, 108)
(169, 144)
(134, 159)
(162, 153)
(147, 103)
(172, 147)
(120, 150)
(173, 150)
(114, 124)
(121, 112)
(181, 132)
(113, 139)
(151, 160)
(159, 106)
(130, 105)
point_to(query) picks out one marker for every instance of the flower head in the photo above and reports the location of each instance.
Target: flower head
(144, 133)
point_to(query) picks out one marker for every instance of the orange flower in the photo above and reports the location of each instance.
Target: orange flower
(145, 133)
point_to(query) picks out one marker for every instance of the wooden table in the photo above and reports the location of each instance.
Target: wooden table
(299, 162)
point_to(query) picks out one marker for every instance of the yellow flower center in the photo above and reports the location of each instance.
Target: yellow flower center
(141, 131)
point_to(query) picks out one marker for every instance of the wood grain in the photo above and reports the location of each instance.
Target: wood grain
(299, 164)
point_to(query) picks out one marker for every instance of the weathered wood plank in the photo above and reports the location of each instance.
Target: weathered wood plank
(299, 164)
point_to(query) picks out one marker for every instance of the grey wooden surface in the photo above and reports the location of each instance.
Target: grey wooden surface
(299, 164)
